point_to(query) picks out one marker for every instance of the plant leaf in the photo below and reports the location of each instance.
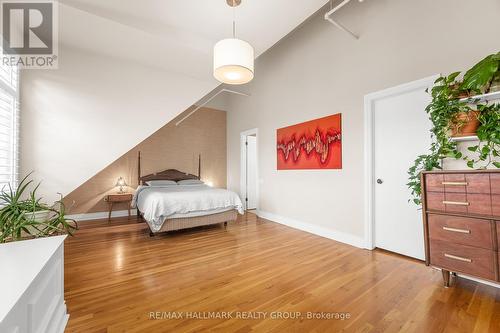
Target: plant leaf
(481, 74)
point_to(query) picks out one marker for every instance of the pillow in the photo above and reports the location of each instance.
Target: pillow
(161, 183)
(190, 182)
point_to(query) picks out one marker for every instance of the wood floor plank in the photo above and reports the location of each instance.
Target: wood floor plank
(116, 275)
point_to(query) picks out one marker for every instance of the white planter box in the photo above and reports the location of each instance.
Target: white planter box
(33, 290)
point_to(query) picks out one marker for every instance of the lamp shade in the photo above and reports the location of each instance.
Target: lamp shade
(233, 61)
(121, 182)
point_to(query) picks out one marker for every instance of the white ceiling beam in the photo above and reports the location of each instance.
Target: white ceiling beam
(208, 101)
(328, 17)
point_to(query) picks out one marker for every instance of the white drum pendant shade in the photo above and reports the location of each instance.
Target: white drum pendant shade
(233, 61)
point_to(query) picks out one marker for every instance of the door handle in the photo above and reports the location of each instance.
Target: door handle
(379, 181)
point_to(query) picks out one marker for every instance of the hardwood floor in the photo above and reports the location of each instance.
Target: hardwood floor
(116, 275)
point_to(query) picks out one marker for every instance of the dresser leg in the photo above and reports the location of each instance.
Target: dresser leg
(446, 278)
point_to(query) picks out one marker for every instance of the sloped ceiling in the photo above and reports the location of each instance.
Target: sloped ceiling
(177, 35)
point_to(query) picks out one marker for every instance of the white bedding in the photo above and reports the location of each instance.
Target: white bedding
(160, 203)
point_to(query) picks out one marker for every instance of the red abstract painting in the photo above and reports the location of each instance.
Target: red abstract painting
(315, 144)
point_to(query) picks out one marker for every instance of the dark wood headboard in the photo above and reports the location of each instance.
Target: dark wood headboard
(169, 174)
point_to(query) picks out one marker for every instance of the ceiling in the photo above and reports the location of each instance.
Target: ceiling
(176, 35)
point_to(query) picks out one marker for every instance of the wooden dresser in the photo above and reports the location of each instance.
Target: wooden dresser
(461, 211)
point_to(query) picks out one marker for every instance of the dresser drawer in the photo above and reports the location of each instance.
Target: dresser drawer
(479, 204)
(459, 183)
(478, 183)
(498, 236)
(463, 203)
(495, 183)
(495, 205)
(119, 197)
(456, 203)
(467, 183)
(434, 201)
(465, 259)
(455, 183)
(461, 230)
(434, 182)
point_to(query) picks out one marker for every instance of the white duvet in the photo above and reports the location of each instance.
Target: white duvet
(159, 203)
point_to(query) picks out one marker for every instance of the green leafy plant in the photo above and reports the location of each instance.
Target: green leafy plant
(18, 219)
(442, 110)
(446, 111)
(489, 138)
(479, 78)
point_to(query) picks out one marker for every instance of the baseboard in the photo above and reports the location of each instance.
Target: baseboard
(100, 215)
(314, 229)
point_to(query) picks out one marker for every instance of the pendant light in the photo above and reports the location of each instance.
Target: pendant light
(233, 58)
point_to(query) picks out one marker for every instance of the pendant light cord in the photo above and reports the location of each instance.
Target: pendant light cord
(234, 21)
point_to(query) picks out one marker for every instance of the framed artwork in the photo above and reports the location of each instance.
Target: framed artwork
(315, 144)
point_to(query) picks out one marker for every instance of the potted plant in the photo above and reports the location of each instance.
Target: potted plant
(482, 77)
(452, 115)
(464, 123)
(22, 218)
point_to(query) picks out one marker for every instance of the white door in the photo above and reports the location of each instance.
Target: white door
(252, 172)
(401, 133)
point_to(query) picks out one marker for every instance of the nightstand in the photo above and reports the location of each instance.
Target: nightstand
(116, 199)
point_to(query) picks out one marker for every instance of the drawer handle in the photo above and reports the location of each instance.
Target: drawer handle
(462, 231)
(456, 203)
(455, 183)
(451, 256)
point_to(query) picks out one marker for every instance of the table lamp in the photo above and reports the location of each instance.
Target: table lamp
(120, 183)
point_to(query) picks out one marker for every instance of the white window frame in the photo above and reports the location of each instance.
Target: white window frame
(15, 147)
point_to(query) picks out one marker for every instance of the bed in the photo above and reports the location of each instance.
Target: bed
(168, 207)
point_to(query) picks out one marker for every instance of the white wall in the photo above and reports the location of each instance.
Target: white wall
(318, 71)
(78, 119)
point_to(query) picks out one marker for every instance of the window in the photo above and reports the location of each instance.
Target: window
(9, 125)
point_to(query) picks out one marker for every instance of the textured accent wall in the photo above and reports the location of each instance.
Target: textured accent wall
(171, 147)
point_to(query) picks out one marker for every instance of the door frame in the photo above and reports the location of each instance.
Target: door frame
(369, 158)
(243, 169)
